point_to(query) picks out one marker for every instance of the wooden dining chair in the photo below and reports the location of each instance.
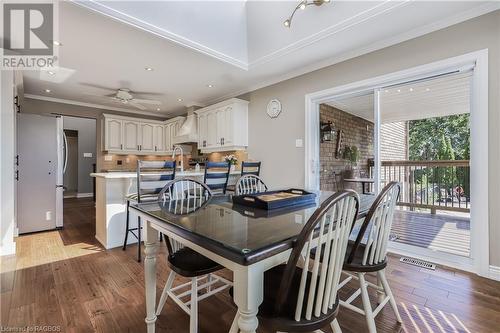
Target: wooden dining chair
(247, 168)
(304, 299)
(217, 176)
(250, 184)
(152, 176)
(185, 196)
(368, 253)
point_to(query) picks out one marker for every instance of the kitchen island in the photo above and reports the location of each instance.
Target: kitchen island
(112, 189)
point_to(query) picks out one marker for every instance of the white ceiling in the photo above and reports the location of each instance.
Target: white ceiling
(437, 97)
(236, 46)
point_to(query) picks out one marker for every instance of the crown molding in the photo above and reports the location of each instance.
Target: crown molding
(415, 33)
(91, 105)
(160, 32)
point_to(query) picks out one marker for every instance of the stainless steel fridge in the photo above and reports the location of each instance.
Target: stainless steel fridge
(41, 159)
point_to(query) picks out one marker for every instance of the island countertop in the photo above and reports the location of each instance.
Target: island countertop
(186, 173)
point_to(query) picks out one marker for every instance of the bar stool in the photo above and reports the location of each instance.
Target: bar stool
(152, 176)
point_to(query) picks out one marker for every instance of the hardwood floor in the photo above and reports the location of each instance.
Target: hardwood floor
(64, 278)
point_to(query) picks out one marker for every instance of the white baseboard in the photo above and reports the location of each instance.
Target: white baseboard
(495, 272)
(84, 195)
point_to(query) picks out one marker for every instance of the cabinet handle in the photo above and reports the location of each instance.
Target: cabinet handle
(155, 148)
(121, 146)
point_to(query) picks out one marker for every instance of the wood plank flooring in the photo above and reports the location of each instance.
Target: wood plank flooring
(64, 278)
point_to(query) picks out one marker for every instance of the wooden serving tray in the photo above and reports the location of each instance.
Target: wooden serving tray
(275, 199)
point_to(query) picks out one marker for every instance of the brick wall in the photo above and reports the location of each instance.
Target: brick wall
(357, 132)
(394, 141)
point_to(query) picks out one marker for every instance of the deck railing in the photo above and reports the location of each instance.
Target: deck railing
(434, 185)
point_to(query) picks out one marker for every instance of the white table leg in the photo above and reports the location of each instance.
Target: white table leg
(151, 249)
(248, 295)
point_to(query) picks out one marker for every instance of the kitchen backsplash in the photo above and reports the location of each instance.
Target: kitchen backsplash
(129, 162)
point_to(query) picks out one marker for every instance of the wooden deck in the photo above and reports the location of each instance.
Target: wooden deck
(444, 233)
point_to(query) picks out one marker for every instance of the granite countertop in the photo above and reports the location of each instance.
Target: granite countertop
(185, 173)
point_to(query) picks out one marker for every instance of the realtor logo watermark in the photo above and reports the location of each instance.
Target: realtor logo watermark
(28, 35)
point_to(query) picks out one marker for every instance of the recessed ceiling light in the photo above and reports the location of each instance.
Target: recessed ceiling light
(210, 85)
(56, 43)
(158, 109)
(411, 89)
(399, 90)
(427, 89)
(387, 91)
(149, 69)
(179, 99)
(48, 90)
(51, 73)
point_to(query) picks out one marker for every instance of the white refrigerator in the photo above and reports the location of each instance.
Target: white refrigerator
(41, 149)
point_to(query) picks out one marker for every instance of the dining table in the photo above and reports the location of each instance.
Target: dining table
(246, 240)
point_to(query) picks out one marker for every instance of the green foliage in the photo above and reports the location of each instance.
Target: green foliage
(352, 154)
(435, 138)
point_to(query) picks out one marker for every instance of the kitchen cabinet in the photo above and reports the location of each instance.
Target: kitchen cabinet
(159, 138)
(131, 135)
(223, 126)
(113, 134)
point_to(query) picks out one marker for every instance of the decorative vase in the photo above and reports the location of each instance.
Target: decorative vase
(233, 167)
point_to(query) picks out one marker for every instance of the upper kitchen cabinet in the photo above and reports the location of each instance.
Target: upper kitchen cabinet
(127, 135)
(113, 130)
(223, 126)
(171, 128)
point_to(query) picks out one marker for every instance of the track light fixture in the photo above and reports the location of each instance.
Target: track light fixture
(303, 5)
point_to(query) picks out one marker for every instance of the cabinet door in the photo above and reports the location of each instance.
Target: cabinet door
(168, 138)
(221, 126)
(202, 130)
(113, 134)
(131, 135)
(212, 140)
(159, 138)
(147, 138)
(227, 138)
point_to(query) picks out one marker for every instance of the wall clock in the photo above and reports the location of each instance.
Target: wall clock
(273, 108)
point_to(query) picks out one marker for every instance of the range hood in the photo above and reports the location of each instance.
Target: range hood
(188, 132)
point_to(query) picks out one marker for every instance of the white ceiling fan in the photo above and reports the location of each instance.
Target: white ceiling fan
(125, 96)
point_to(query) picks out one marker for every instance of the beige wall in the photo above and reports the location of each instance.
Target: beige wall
(272, 141)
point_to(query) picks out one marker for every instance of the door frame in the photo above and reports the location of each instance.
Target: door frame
(479, 263)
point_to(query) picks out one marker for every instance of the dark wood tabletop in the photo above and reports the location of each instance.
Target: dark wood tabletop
(238, 233)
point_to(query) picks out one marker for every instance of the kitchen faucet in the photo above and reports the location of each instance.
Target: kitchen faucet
(182, 156)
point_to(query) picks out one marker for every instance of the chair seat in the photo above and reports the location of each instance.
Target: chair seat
(190, 263)
(144, 197)
(286, 320)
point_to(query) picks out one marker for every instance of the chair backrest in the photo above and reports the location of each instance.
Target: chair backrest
(327, 230)
(374, 233)
(250, 168)
(217, 176)
(152, 176)
(184, 196)
(249, 184)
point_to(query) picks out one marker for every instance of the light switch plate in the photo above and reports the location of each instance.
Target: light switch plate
(299, 143)
(108, 157)
(87, 154)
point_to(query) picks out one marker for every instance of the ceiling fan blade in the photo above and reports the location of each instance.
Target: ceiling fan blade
(146, 93)
(147, 101)
(97, 86)
(137, 105)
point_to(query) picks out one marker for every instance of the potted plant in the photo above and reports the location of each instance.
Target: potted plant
(352, 155)
(232, 160)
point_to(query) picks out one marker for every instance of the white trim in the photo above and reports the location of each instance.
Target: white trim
(160, 32)
(479, 136)
(84, 195)
(495, 272)
(91, 105)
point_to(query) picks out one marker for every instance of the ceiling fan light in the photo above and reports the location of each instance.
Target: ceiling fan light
(326, 1)
(287, 23)
(302, 6)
